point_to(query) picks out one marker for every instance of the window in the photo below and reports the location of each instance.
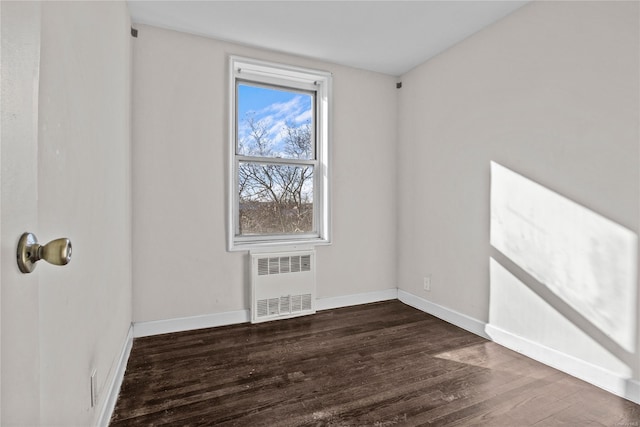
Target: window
(279, 129)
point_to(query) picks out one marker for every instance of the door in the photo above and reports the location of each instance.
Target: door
(64, 172)
(19, 296)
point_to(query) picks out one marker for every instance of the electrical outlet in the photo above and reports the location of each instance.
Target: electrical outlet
(94, 388)
(427, 283)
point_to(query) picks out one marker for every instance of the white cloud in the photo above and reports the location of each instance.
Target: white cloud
(285, 109)
(304, 117)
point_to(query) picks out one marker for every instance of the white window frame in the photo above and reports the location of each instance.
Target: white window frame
(268, 73)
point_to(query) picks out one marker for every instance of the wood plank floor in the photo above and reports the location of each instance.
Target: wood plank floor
(381, 364)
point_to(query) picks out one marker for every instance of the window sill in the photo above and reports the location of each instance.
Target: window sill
(280, 245)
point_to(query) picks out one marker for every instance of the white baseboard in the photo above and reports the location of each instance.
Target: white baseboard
(356, 299)
(627, 388)
(593, 374)
(460, 320)
(157, 327)
(633, 391)
(116, 382)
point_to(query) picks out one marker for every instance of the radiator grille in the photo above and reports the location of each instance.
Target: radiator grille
(282, 285)
(281, 265)
(289, 304)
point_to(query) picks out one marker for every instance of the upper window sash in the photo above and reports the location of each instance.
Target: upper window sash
(309, 98)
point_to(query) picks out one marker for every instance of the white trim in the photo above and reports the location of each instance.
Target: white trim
(633, 391)
(180, 324)
(356, 299)
(593, 374)
(456, 318)
(116, 382)
(317, 81)
(157, 327)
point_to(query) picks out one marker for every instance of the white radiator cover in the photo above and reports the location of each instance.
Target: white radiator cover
(283, 285)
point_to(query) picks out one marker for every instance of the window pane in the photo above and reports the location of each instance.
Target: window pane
(275, 199)
(274, 122)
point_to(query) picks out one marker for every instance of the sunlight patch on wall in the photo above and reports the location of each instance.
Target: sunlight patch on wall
(538, 329)
(585, 259)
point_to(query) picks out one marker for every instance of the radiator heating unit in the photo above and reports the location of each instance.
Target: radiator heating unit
(283, 285)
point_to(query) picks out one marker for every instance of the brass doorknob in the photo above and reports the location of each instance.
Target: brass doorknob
(56, 252)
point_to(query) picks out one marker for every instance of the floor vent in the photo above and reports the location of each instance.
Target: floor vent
(283, 285)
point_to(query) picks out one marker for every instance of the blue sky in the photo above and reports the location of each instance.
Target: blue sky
(258, 99)
(273, 107)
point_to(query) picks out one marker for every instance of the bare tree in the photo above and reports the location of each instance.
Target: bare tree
(275, 198)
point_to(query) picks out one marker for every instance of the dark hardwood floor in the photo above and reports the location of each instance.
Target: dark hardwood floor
(380, 364)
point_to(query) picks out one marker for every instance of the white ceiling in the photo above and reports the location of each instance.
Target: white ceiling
(390, 37)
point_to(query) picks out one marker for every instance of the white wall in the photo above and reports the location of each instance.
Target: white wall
(181, 266)
(85, 193)
(80, 314)
(551, 93)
